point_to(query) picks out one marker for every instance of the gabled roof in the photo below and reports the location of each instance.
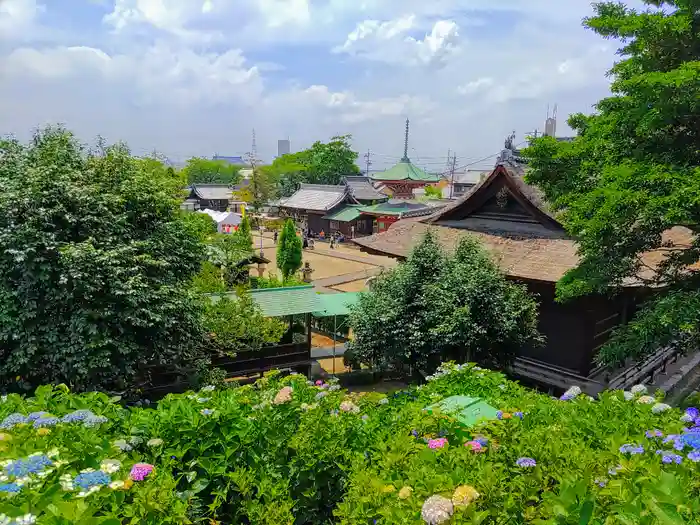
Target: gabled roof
(397, 207)
(528, 197)
(407, 171)
(212, 191)
(362, 190)
(316, 197)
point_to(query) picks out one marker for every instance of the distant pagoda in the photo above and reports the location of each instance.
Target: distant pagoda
(404, 177)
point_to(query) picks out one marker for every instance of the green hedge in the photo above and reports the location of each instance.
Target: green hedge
(284, 451)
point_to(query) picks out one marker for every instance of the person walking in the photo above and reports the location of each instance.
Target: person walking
(274, 236)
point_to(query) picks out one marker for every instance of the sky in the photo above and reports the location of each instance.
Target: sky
(195, 77)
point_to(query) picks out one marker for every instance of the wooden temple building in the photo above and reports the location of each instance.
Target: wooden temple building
(513, 222)
(354, 208)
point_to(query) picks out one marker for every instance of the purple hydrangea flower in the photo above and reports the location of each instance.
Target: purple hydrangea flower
(653, 434)
(46, 421)
(694, 456)
(518, 415)
(526, 462)
(693, 412)
(601, 482)
(499, 414)
(671, 458)
(12, 420)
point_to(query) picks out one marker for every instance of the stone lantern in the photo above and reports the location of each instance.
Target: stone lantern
(261, 269)
(306, 272)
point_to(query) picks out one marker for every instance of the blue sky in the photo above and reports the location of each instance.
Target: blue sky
(194, 77)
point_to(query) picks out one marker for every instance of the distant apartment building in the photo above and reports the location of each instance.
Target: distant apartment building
(283, 147)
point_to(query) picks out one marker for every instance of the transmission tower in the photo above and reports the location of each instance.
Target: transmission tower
(368, 162)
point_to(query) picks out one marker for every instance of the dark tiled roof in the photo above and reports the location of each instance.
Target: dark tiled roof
(361, 189)
(212, 191)
(315, 197)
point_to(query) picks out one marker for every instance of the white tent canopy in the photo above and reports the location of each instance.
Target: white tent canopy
(226, 221)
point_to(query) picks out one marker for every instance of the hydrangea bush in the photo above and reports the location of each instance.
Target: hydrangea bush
(287, 451)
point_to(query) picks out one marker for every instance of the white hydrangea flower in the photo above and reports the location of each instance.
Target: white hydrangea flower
(116, 485)
(660, 407)
(646, 400)
(687, 418)
(639, 390)
(384, 401)
(629, 396)
(27, 519)
(110, 466)
(573, 391)
(437, 510)
(208, 388)
(155, 442)
(4, 519)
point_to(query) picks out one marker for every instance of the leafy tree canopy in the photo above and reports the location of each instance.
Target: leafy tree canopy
(435, 307)
(322, 163)
(632, 174)
(94, 263)
(207, 171)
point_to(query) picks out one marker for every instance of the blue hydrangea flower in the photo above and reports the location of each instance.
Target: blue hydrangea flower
(693, 412)
(601, 482)
(36, 415)
(691, 439)
(11, 488)
(499, 414)
(93, 421)
(653, 434)
(87, 480)
(694, 456)
(30, 465)
(632, 449)
(482, 441)
(77, 416)
(518, 414)
(12, 420)
(49, 421)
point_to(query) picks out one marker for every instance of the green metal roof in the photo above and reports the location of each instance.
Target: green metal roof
(405, 170)
(394, 208)
(336, 303)
(346, 214)
(292, 300)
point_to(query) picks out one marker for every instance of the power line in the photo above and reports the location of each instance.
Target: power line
(488, 157)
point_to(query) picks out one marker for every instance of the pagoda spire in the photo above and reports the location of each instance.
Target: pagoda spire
(405, 146)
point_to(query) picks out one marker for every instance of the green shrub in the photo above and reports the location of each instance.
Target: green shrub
(285, 451)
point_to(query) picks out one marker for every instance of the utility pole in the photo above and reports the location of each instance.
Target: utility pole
(453, 167)
(368, 162)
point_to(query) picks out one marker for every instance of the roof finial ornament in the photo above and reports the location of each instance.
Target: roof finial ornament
(510, 139)
(405, 146)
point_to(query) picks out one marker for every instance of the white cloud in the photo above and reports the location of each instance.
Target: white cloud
(157, 75)
(195, 76)
(390, 42)
(350, 109)
(17, 17)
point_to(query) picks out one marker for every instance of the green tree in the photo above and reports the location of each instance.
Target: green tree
(322, 163)
(237, 324)
(207, 171)
(289, 250)
(94, 266)
(436, 307)
(226, 251)
(433, 192)
(244, 234)
(629, 184)
(199, 224)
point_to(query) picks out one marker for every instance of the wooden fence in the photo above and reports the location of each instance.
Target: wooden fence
(162, 380)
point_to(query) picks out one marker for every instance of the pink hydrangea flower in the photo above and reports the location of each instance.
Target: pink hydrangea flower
(437, 443)
(140, 470)
(475, 446)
